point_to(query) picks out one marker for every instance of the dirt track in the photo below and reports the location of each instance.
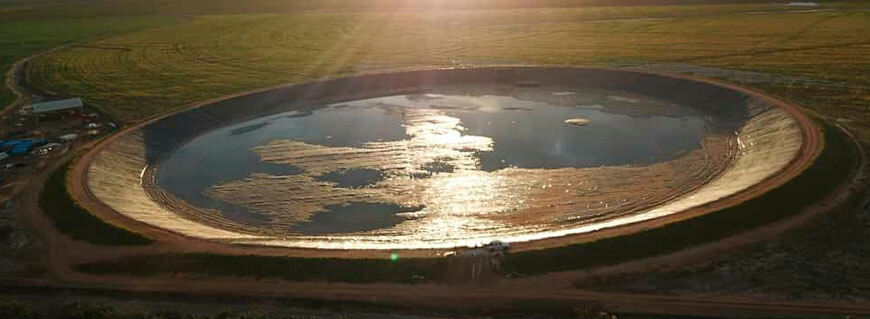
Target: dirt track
(553, 289)
(16, 76)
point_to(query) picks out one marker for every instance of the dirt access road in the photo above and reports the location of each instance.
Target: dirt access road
(553, 290)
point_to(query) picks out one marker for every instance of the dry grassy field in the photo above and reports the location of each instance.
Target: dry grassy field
(820, 56)
(21, 38)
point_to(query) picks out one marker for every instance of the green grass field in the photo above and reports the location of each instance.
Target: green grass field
(140, 74)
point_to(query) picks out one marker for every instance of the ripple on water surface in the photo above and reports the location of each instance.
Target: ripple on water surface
(424, 160)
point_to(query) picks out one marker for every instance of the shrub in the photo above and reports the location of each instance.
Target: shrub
(15, 309)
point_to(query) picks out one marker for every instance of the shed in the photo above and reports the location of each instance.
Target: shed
(40, 109)
(59, 105)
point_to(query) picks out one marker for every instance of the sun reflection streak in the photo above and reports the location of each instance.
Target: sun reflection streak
(437, 167)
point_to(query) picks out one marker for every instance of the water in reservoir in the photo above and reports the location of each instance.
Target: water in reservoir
(434, 133)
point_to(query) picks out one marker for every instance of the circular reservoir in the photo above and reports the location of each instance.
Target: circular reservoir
(444, 158)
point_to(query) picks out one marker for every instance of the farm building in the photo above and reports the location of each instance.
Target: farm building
(61, 107)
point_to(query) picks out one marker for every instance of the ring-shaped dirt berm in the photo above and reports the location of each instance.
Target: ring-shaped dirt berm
(433, 159)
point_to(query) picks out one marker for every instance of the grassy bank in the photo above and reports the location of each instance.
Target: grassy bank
(829, 170)
(165, 306)
(294, 269)
(69, 218)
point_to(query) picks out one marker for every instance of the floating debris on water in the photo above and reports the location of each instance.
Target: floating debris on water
(577, 121)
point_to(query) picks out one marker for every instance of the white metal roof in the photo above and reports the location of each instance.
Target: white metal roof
(57, 105)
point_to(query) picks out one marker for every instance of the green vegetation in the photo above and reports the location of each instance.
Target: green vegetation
(294, 269)
(70, 219)
(15, 309)
(829, 170)
(22, 38)
(298, 309)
